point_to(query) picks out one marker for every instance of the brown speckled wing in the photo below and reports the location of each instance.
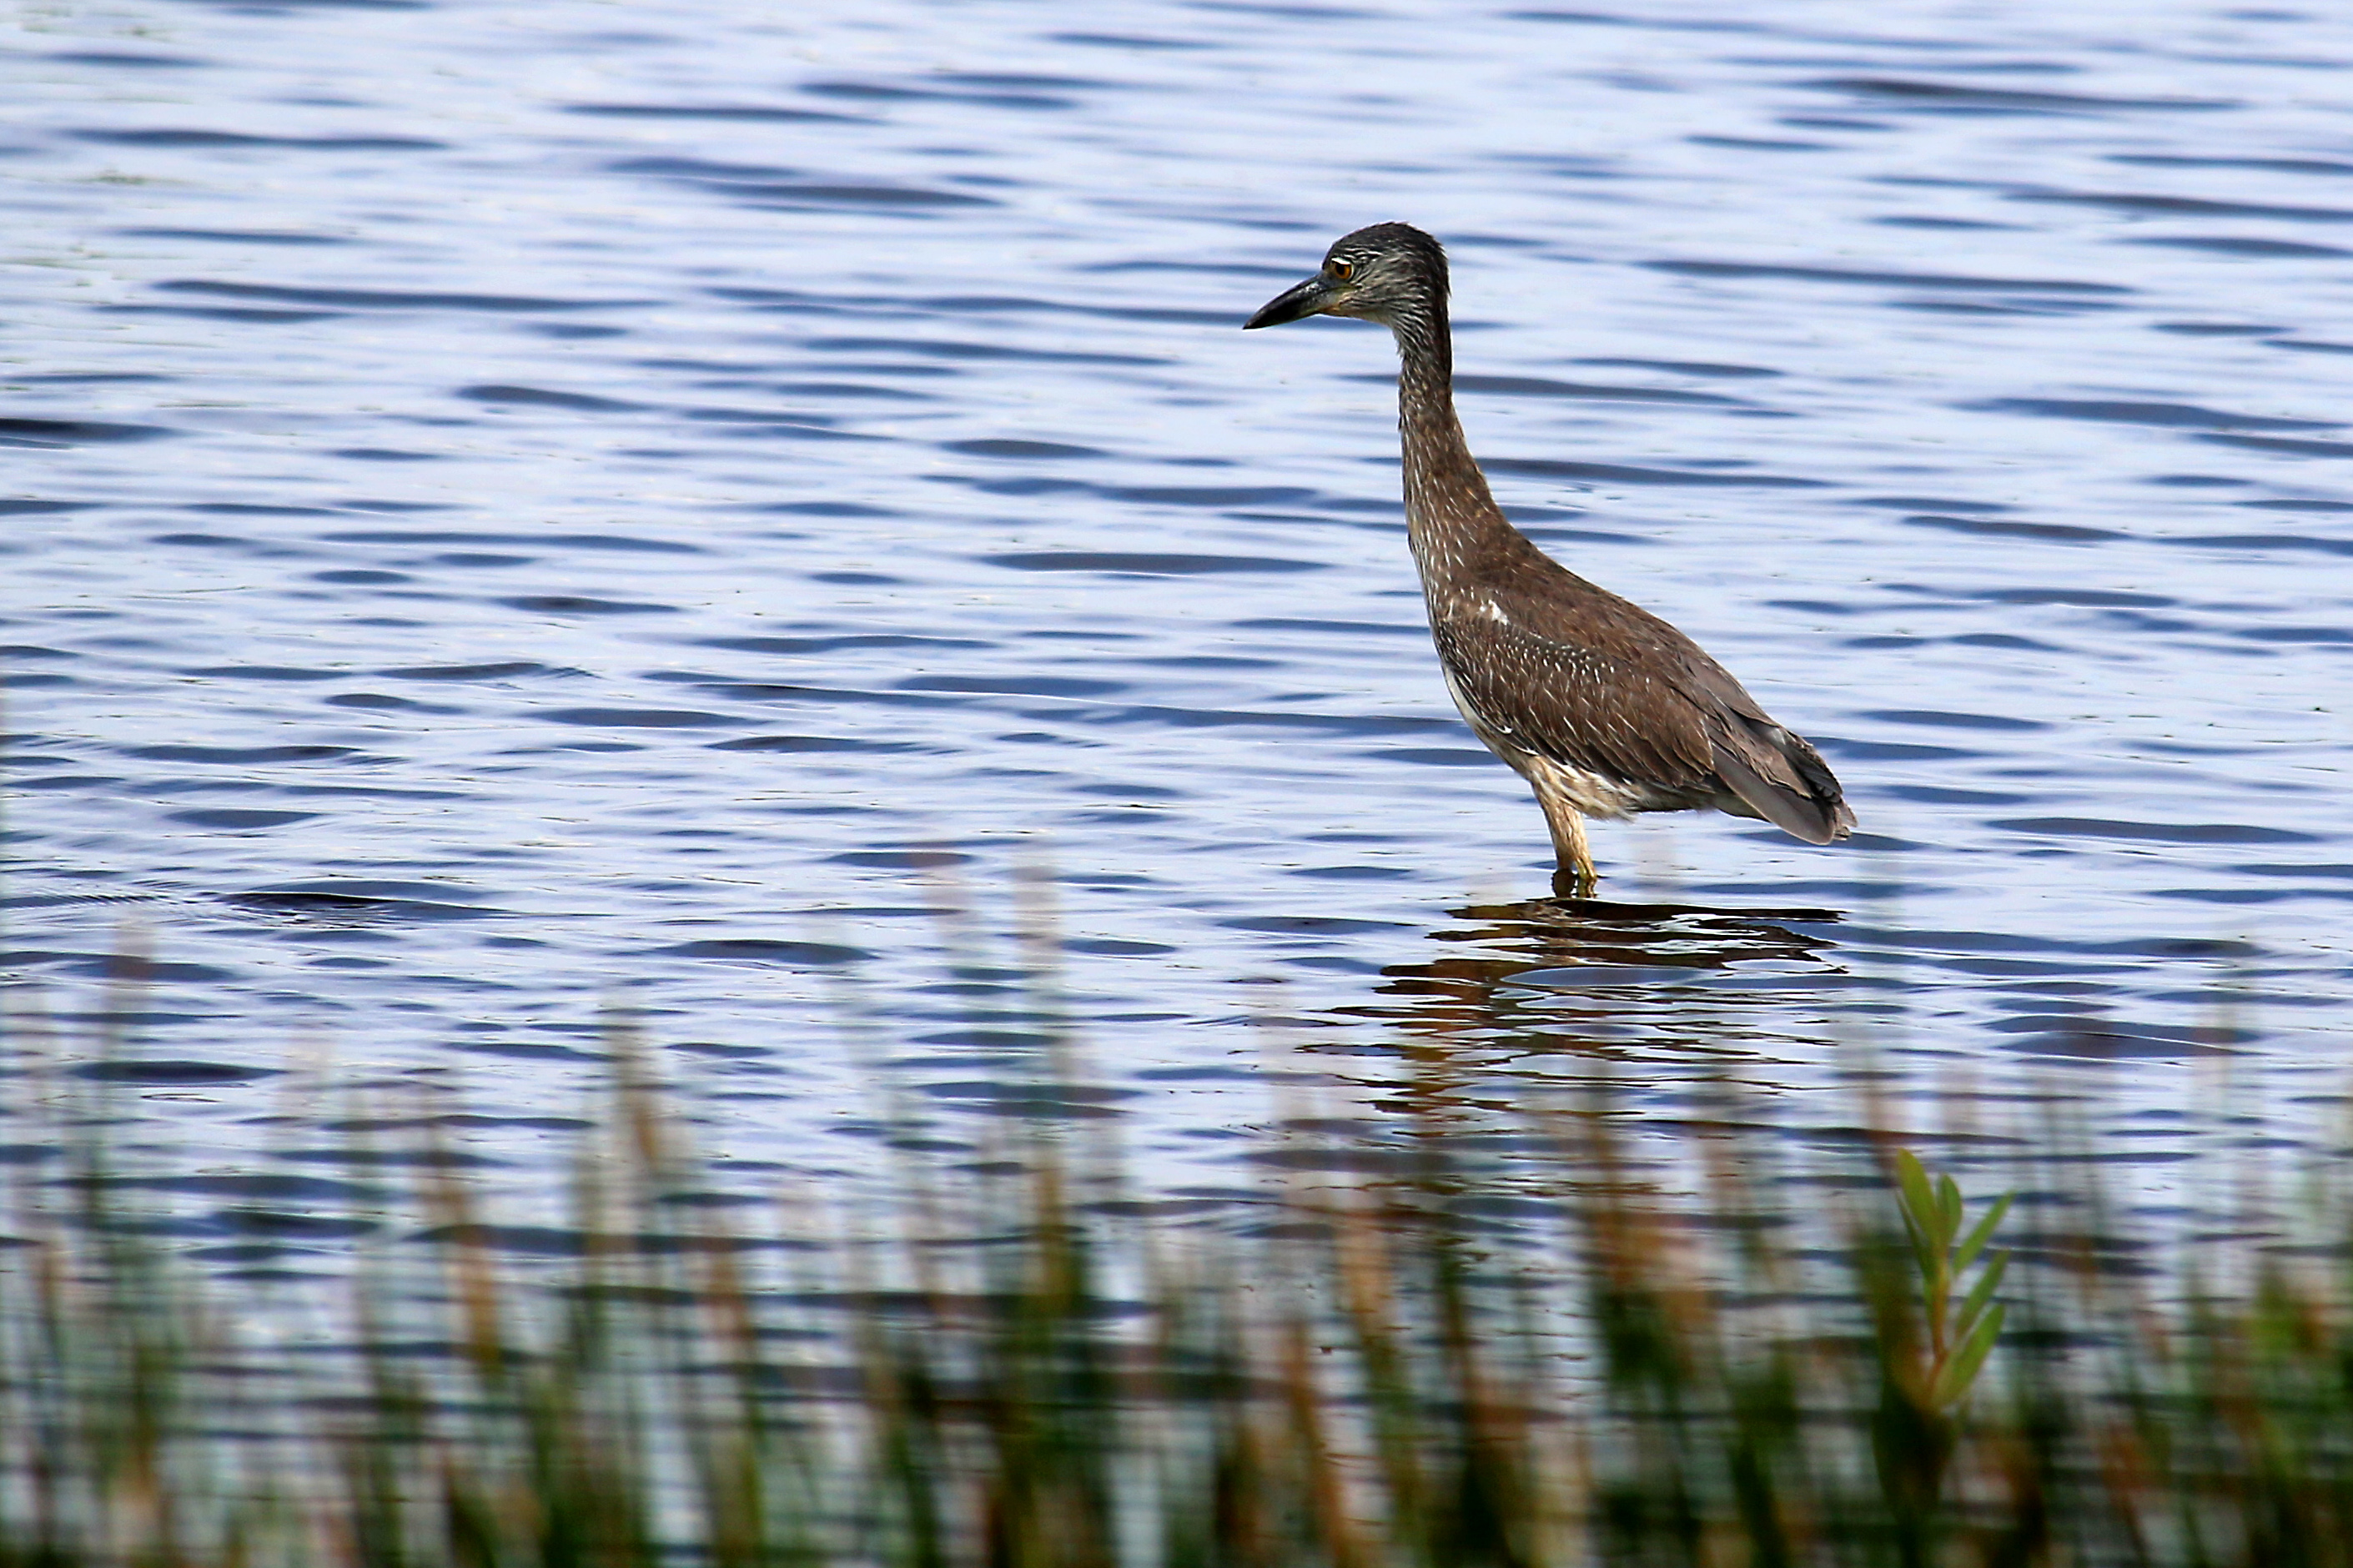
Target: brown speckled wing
(1577, 704)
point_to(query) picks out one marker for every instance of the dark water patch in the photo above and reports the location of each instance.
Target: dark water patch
(385, 299)
(2266, 541)
(706, 169)
(544, 398)
(832, 389)
(55, 433)
(2309, 346)
(128, 62)
(1942, 721)
(931, 859)
(250, 509)
(1225, 718)
(2158, 832)
(351, 908)
(1619, 473)
(107, 965)
(2267, 165)
(384, 455)
(1042, 1101)
(2279, 869)
(1941, 794)
(2239, 244)
(2188, 207)
(2298, 634)
(1213, 496)
(241, 755)
(1947, 280)
(168, 1073)
(26, 507)
(2216, 329)
(2291, 445)
(1999, 528)
(1885, 751)
(1143, 563)
(616, 542)
(496, 670)
(754, 113)
(1016, 685)
(378, 700)
(235, 236)
(943, 348)
(2296, 504)
(761, 691)
(834, 644)
(1310, 925)
(762, 950)
(810, 743)
(581, 604)
(1702, 368)
(283, 1224)
(1433, 756)
(1758, 144)
(256, 315)
(1956, 98)
(640, 718)
(967, 89)
(2096, 598)
(1538, 386)
(271, 1187)
(2172, 416)
(175, 138)
(1012, 448)
(235, 819)
(1916, 220)
(762, 187)
(265, 672)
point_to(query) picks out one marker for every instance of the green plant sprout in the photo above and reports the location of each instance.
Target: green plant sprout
(1958, 1341)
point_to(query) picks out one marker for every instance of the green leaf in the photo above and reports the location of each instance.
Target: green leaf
(1982, 1292)
(1982, 1232)
(1919, 1202)
(1953, 1383)
(1948, 1211)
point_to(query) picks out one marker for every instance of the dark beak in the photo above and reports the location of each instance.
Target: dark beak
(1300, 299)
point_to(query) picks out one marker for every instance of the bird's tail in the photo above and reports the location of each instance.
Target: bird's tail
(1781, 776)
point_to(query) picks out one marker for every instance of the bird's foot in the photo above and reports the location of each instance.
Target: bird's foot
(1575, 882)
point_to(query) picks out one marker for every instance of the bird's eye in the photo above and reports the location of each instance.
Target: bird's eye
(1340, 270)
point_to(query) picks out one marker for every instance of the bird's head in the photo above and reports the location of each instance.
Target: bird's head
(1391, 273)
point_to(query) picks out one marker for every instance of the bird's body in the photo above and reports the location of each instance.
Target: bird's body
(1604, 707)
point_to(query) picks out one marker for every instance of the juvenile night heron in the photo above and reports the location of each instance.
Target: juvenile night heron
(1603, 708)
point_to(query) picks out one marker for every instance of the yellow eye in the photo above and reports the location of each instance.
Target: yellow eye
(1340, 270)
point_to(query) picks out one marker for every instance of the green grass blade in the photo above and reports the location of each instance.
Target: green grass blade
(1982, 1232)
(1959, 1373)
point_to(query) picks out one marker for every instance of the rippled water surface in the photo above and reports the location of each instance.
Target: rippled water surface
(512, 508)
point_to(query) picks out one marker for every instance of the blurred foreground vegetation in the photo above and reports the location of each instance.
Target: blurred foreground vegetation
(1754, 1352)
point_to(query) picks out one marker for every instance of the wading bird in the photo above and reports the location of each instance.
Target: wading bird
(1603, 708)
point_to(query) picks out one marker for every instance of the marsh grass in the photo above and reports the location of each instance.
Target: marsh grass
(1791, 1354)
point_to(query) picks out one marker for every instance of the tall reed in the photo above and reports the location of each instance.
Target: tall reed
(1785, 1355)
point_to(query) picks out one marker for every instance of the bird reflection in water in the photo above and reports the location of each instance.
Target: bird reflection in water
(1600, 979)
(1551, 1005)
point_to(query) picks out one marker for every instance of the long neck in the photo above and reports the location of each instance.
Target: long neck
(1448, 513)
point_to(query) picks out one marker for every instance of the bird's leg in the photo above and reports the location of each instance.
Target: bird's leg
(1573, 876)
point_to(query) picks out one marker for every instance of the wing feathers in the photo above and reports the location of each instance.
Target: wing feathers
(1660, 714)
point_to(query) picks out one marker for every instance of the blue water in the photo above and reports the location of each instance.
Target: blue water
(516, 510)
